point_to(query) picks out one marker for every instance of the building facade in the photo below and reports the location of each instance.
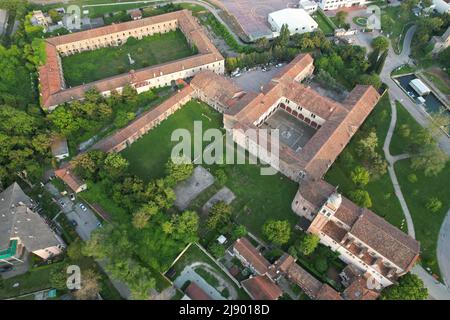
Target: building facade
(54, 91)
(337, 4)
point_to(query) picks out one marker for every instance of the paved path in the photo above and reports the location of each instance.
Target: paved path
(435, 289)
(391, 160)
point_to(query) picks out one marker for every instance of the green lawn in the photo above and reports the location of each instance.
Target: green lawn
(195, 254)
(396, 28)
(98, 64)
(381, 191)
(440, 83)
(426, 223)
(148, 155)
(404, 69)
(398, 144)
(324, 24)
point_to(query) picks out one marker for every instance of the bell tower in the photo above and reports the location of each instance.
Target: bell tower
(328, 209)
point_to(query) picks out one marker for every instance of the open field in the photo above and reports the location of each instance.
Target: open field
(381, 191)
(98, 64)
(426, 223)
(148, 155)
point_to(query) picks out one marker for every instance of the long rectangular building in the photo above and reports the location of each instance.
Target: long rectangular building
(54, 91)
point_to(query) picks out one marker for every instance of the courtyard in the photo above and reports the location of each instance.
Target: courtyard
(98, 64)
(252, 206)
(293, 132)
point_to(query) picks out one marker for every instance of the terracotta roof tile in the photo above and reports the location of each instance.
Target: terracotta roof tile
(252, 255)
(262, 288)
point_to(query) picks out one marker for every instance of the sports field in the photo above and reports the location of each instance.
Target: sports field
(98, 64)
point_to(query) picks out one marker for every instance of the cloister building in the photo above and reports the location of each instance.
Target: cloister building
(54, 91)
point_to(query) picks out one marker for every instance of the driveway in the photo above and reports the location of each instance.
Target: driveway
(86, 221)
(254, 80)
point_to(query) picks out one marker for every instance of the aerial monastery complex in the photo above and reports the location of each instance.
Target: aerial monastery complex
(313, 132)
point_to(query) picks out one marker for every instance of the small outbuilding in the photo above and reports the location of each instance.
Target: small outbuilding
(419, 87)
(297, 20)
(59, 147)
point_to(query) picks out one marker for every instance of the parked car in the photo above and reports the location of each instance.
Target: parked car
(72, 196)
(62, 203)
(82, 206)
(73, 223)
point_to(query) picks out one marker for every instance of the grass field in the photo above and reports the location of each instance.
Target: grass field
(148, 155)
(426, 223)
(440, 83)
(98, 64)
(323, 22)
(258, 198)
(381, 191)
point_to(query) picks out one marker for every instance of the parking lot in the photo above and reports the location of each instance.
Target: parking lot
(85, 219)
(253, 80)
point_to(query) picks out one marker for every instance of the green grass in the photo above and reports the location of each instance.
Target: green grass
(398, 28)
(438, 82)
(34, 280)
(148, 155)
(98, 64)
(195, 254)
(381, 191)
(324, 23)
(398, 143)
(426, 224)
(404, 69)
(360, 21)
(98, 193)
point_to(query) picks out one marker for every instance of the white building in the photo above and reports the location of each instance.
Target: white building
(441, 6)
(297, 20)
(419, 87)
(309, 6)
(336, 4)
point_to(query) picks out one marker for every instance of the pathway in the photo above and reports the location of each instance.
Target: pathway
(435, 289)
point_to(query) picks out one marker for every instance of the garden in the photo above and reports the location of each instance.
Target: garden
(89, 66)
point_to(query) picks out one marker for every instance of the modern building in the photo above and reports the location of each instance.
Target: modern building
(24, 231)
(441, 6)
(53, 90)
(419, 87)
(297, 20)
(310, 6)
(337, 4)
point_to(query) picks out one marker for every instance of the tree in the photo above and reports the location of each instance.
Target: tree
(409, 287)
(404, 131)
(431, 160)
(380, 43)
(90, 286)
(360, 176)
(143, 215)
(217, 250)
(308, 244)
(58, 279)
(372, 79)
(340, 18)
(74, 250)
(178, 170)
(283, 38)
(433, 204)
(115, 165)
(219, 215)
(441, 121)
(277, 231)
(361, 198)
(239, 232)
(366, 146)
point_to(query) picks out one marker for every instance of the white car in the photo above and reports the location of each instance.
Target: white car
(82, 206)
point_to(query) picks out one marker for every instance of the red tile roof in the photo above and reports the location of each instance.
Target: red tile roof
(262, 288)
(251, 255)
(196, 293)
